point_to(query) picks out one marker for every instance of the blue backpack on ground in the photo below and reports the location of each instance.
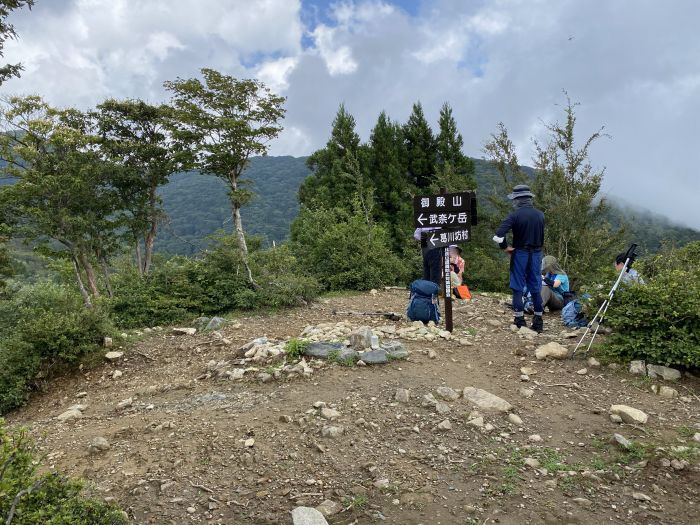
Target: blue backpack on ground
(572, 314)
(423, 303)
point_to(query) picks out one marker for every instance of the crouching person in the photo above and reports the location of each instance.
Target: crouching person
(527, 224)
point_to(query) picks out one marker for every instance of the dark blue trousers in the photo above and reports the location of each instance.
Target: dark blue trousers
(525, 273)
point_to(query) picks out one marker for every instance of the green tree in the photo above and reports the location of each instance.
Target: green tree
(453, 169)
(63, 191)
(420, 148)
(393, 189)
(7, 31)
(334, 180)
(219, 124)
(135, 134)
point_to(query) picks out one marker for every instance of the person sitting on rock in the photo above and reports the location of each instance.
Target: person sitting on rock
(557, 284)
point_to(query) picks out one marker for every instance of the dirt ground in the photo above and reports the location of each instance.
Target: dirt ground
(179, 455)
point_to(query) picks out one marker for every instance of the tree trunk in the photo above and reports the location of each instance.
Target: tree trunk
(150, 235)
(238, 227)
(81, 287)
(139, 261)
(105, 274)
(90, 274)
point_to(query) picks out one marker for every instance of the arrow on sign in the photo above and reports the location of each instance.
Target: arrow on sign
(421, 219)
(432, 239)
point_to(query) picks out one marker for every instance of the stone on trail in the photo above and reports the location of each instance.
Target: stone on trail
(582, 372)
(526, 332)
(442, 408)
(215, 323)
(323, 350)
(329, 507)
(329, 413)
(445, 425)
(108, 342)
(184, 331)
(553, 350)
(528, 371)
(638, 368)
(447, 393)
(593, 362)
(622, 441)
(361, 338)
(696, 437)
(374, 357)
(402, 395)
(535, 438)
(669, 374)
(668, 392)
(113, 356)
(527, 392)
(69, 414)
(615, 418)
(583, 502)
(125, 403)
(531, 462)
(307, 516)
(515, 419)
(97, 445)
(486, 400)
(332, 431)
(629, 414)
(640, 496)
(476, 422)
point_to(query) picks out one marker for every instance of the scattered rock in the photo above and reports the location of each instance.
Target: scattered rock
(307, 516)
(431, 354)
(640, 496)
(476, 422)
(108, 342)
(486, 400)
(69, 414)
(527, 332)
(535, 438)
(447, 393)
(445, 425)
(442, 408)
(215, 323)
(117, 374)
(531, 462)
(593, 362)
(332, 432)
(402, 395)
(125, 403)
(582, 372)
(361, 338)
(493, 322)
(528, 371)
(622, 441)
(527, 392)
(696, 437)
(629, 414)
(329, 507)
(615, 418)
(329, 413)
(583, 502)
(97, 445)
(638, 368)
(184, 331)
(553, 350)
(515, 419)
(249, 443)
(666, 373)
(668, 392)
(113, 356)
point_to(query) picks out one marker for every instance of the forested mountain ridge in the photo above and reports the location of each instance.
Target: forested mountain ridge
(197, 206)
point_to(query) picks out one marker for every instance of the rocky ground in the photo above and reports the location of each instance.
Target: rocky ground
(481, 426)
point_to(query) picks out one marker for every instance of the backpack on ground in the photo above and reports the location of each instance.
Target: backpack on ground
(423, 302)
(572, 314)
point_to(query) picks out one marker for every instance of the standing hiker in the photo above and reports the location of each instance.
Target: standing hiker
(527, 225)
(432, 257)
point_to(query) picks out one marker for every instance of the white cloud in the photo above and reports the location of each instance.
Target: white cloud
(632, 65)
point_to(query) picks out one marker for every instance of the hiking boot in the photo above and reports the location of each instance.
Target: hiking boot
(519, 321)
(537, 324)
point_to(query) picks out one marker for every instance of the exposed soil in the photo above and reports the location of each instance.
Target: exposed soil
(178, 453)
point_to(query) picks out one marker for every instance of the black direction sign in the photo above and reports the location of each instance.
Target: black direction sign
(444, 238)
(449, 210)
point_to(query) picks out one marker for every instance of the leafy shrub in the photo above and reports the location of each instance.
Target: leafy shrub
(295, 348)
(345, 252)
(43, 325)
(49, 499)
(184, 287)
(660, 321)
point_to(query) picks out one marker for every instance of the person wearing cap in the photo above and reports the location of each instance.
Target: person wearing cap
(456, 265)
(527, 224)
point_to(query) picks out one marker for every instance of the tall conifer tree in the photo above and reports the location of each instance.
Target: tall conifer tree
(420, 148)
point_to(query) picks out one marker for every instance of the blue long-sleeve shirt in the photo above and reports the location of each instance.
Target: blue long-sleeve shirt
(527, 224)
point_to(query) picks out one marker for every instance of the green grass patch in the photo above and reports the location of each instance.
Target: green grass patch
(295, 348)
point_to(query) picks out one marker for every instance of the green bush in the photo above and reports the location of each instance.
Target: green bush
(183, 287)
(660, 321)
(43, 325)
(345, 252)
(49, 499)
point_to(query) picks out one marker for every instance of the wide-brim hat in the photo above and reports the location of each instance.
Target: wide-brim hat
(521, 190)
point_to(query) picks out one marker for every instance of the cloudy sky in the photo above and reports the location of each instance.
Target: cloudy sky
(634, 66)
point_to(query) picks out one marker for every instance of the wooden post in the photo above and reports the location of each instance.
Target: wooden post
(447, 281)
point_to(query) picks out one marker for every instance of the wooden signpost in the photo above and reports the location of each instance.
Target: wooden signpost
(447, 219)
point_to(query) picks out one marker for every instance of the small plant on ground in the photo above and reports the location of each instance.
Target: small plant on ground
(355, 502)
(295, 348)
(635, 453)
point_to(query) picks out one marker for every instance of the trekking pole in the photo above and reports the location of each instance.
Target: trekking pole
(629, 259)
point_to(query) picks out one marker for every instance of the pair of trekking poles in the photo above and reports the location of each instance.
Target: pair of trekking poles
(630, 257)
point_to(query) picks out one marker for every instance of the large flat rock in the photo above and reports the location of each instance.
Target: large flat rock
(486, 400)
